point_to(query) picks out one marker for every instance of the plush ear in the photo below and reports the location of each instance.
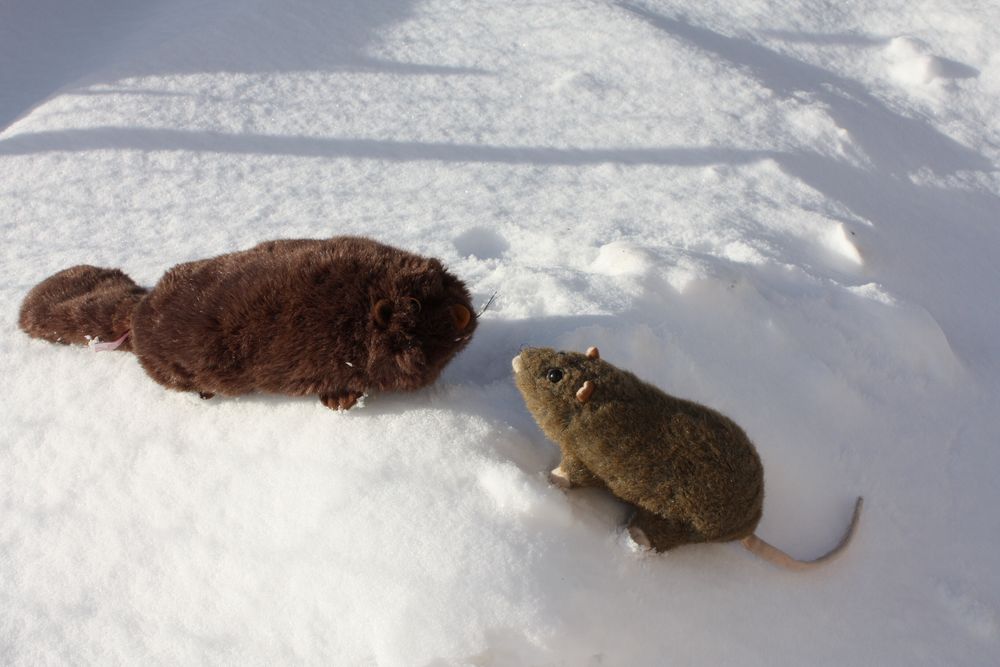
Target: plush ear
(585, 392)
(461, 315)
(593, 353)
(382, 312)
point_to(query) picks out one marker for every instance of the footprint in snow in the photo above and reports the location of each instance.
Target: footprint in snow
(481, 243)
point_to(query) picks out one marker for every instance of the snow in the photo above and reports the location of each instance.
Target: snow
(788, 212)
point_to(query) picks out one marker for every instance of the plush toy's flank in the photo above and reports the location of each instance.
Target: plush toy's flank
(335, 318)
(692, 474)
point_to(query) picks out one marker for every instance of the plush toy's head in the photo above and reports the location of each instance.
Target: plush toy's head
(558, 386)
(421, 316)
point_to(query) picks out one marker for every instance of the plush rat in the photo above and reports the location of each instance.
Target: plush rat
(334, 318)
(690, 472)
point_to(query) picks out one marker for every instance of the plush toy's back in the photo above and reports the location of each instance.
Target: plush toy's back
(672, 457)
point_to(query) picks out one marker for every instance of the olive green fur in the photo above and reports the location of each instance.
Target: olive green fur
(692, 473)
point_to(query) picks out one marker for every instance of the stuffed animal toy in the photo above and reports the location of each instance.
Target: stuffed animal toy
(691, 473)
(335, 318)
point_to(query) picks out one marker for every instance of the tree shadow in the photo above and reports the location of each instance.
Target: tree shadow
(825, 39)
(942, 272)
(952, 69)
(48, 45)
(894, 143)
(130, 138)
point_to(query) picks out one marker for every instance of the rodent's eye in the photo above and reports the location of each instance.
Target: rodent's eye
(412, 303)
(554, 375)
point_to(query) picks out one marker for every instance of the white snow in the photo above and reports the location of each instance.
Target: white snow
(790, 212)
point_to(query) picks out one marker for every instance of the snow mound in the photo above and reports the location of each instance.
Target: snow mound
(912, 63)
(623, 258)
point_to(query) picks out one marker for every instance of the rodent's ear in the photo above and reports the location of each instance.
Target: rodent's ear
(461, 315)
(584, 393)
(593, 353)
(382, 312)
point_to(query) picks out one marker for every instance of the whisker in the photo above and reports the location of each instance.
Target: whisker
(488, 303)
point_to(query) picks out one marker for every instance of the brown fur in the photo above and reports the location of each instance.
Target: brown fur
(334, 318)
(79, 302)
(692, 474)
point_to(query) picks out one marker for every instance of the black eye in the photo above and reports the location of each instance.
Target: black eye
(554, 375)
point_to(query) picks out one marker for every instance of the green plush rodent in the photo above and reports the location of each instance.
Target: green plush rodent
(691, 473)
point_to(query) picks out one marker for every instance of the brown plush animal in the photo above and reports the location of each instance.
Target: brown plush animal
(336, 318)
(691, 473)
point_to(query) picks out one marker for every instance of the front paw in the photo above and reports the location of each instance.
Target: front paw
(344, 401)
(639, 536)
(558, 477)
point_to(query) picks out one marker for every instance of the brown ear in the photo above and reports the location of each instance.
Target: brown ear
(585, 392)
(593, 353)
(461, 315)
(382, 312)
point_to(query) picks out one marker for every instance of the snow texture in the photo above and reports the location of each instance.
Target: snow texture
(788, 211)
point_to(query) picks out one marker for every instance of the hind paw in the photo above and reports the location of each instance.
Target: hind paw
(344, 401)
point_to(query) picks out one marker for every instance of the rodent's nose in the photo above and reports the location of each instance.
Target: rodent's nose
(517, 363)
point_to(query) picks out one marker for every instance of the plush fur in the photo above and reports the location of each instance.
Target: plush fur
(335, 318)
(690, 472)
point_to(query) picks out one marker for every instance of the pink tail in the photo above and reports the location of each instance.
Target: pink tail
(775, 555)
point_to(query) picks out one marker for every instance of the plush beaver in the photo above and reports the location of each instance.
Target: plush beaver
(334, 318)
(691, 473)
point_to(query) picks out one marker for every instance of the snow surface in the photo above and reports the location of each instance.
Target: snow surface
(789, 211)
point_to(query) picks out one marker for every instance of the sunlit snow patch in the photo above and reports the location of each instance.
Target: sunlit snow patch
(839, 241)
(517, 497)
(875, 292)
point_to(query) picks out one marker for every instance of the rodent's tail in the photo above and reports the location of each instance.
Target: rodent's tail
(79, 304)
(775, 555)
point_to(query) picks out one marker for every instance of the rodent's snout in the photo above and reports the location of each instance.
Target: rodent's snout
(517, 363)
